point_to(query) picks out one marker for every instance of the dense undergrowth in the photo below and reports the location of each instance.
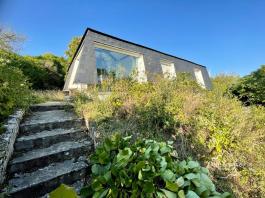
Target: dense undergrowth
(209, 126)
(20, 75)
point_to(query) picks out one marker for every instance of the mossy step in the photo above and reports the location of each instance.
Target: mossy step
(45, 180)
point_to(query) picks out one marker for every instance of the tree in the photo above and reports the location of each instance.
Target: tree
(52, 62)
(250, 89)
(41, 72)
(72, 47)
(10, 41)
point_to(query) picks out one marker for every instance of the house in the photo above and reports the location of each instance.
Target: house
(99, 55)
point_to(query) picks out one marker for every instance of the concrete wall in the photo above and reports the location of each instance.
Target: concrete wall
(86, 72)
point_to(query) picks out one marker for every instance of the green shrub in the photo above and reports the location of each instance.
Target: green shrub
(38, 75)
(223, 83)
(14, 90)
(145, 169)
(250, 89)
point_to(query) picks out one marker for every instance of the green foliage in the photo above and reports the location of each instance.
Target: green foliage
(63, 191)
(39, 75)
(14, 90)
(145, 169)
(72, 47)
(209, 125)
(250, 89)
(53, 63)
(222, 83)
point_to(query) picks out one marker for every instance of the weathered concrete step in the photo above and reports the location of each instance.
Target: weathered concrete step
(47, 120)
(48, 106)
(39, 158)
(45, 180)
(46, 138)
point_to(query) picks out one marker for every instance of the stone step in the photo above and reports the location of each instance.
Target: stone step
(48, 106)
(38, 158)
(47, 120)
(46, 138)
(45, 180)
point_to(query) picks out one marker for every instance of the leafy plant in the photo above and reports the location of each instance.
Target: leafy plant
(146, 168)
(14, 90)
(250, 89)
(63, 191)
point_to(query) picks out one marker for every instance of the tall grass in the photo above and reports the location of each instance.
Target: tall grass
(48, 95)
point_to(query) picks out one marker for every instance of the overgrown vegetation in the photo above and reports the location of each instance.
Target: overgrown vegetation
(145, 168)
(14, 90)
(212, 127)
(38, 70)
(250, 89)
(19, 74)
(209, 126)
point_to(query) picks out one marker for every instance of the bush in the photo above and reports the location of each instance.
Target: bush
(145, 169)
(14, 90)
(49, 61)
(38, 75)
(250, 89)
(209, 125)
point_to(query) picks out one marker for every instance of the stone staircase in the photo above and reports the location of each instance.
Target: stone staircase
(51, 149)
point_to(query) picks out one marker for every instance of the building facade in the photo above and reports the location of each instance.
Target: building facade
(100, 55)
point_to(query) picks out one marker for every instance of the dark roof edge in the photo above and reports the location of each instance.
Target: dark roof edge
(77, 50)
(102, 33)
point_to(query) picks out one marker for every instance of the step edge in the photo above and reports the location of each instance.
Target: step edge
(43, 123)
(67, 131)
(80, 145)
(85, 166)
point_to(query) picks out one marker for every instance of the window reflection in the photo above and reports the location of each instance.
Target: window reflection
(113, 64)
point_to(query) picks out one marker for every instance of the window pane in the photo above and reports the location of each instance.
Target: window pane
(112, 63)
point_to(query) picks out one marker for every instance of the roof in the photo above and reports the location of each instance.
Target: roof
(129, 42)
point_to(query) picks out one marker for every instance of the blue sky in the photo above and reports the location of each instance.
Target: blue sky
(226, 36)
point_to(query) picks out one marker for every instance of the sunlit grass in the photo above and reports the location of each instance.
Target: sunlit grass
(49, 95)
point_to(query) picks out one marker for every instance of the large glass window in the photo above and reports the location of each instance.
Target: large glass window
(114, 64)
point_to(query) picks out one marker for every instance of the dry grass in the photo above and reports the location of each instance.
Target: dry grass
(49, 95)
